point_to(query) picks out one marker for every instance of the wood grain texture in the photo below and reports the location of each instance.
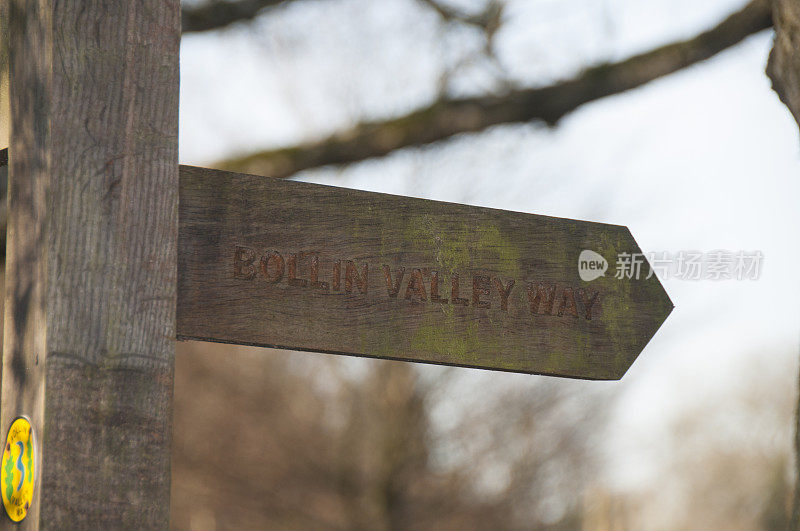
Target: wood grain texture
(318, 268)
(90, 297)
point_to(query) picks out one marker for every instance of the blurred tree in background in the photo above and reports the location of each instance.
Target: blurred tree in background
(274, 440)
(324, 444)
(268, 440)
(448, 115)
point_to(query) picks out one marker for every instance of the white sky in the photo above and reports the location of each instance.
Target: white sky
(705, 159)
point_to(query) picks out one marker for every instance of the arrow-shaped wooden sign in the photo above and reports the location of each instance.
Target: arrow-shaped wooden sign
(318, 268)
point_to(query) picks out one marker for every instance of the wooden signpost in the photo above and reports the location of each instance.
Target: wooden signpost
(114, 252)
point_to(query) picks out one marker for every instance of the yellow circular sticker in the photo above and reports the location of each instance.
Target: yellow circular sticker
(16, 471)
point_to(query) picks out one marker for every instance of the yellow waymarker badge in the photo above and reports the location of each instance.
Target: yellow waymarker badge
(16, 471)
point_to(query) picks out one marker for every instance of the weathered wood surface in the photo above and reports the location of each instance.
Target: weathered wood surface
(318, 268)
(91, 264)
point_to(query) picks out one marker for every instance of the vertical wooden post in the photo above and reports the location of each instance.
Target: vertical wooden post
(91, 257)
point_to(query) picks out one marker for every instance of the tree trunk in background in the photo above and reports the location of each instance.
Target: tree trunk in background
(784, 61)
(784, 70)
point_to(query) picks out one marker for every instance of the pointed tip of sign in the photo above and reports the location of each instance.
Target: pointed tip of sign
(652, 311)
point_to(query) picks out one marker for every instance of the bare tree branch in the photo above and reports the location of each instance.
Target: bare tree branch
(446, 118)
(487, 20)
(219, 14)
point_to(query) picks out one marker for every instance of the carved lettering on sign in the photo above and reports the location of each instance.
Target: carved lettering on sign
(568, 304)
(315, 282)
(415, 290)
(337, 275)
(480, 286)
(455, 288)
(243, 258)
(419, 286)
(351, 276)
(588, 302)
(504, 291)
(435, 288)
(393, 287)
(541, 298)
(273, 261)
(293, 279)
